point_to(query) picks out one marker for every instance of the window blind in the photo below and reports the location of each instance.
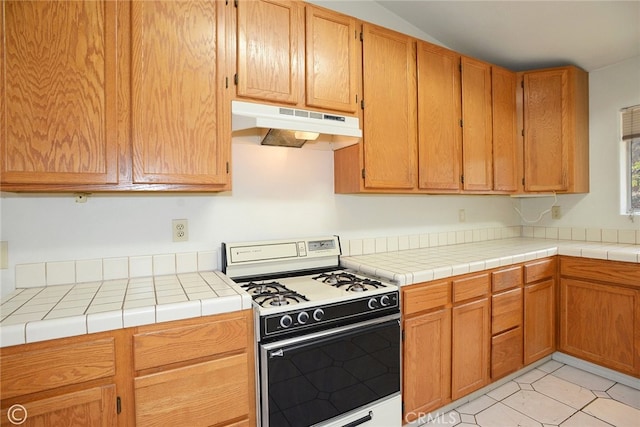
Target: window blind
(631, 123)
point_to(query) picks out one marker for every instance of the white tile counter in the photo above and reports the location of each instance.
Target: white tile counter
(49, 312)
(417, 265)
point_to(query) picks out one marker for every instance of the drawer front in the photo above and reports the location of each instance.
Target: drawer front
(622, 273)
(470, 287)
(539, 270)
(506, 353)
(422, 297)
(506, 279)
(506, 310)
(61, 364)
(160, 347)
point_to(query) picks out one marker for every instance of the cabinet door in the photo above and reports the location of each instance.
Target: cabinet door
(477, 126)
(597, 324)
(332, 60)
(95, 407)
(539, 320)
(389, 116)
(58, 119)
(505, 130)
(506, 353)
(439, 115)
(270, 50)
(208, 393)
(426, 363)
(179, 136)
(470, 347)
(546, 125)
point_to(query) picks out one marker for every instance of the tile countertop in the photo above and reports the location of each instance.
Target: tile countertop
(411, 266)
(43, 313)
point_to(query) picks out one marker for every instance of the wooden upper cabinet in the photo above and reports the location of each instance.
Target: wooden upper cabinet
(506, 156)
(178, 130)
(389, 115)
(331, 60)
(477, 133)
(57, 76)
(556, 130)
(439, 106)
(270, 49)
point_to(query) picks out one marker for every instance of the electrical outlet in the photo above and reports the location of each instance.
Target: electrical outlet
(462, 216)
(180, 230)
(556, 213)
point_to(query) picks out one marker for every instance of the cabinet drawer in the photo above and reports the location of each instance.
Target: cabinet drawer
(506, 279)
(622, 273)
(470, 287)
(165, 345)
(539, 270)
(56, 365)
(506, 353)
(422, 297)
(506, 310)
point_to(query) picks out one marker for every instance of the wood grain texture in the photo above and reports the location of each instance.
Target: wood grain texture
(176, 93)
(506, 278)
(539, 320)
(270, 50)
(390, 115)
(506, 310)
(331, 60)
(477, 129)
(505, 130)
(470, 286)
(425, 296)
(597, 324)
(506, 353)
(426, 382)
(614, 272)
(539, 270)
(59, 111)
(439, 115)
(55, 366)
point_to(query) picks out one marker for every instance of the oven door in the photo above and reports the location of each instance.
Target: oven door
(314, 378)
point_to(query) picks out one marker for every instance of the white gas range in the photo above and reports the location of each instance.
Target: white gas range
(329, 338)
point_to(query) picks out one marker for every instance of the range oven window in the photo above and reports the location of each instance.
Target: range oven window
(311, 379)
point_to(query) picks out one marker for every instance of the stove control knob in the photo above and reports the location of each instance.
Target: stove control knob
(318, 314)
(303, 317)
(286, 321)
(373, 304)
(384, 300)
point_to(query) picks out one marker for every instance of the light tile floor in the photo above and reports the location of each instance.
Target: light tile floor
(554, 394)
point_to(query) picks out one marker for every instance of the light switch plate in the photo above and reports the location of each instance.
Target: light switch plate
(4, 255)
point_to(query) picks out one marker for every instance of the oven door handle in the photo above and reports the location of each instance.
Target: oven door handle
(276, 353)
(360, 421)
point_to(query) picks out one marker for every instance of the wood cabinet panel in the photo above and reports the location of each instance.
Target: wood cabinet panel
(470, 352)
(423, 297)
(207, 393)
(50, 367)
(539, 270)
(389, 115)
(508, 278)
(178, 132)
(426, 383)
(331, 60)
(92, 407)
(597, 324)
(270, 55)
(620, 273)
(506, 310)
(59, 115)
(469, 287)
(507, 169)
(477, 125)
(539, 320)
(506, 353)
(439, 115)
(156, 345)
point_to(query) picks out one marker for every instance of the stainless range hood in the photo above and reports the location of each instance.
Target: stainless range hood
(293, 127)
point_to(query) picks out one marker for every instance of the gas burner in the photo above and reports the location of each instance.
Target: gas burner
(350, 282)
(278, 299)
(254, 288)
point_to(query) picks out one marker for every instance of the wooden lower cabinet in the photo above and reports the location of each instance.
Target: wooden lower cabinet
(506, 353)
(539, 323)
(600, 313)
(471, 331)
(426, 382)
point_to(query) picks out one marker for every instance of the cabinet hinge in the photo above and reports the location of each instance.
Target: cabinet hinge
(522, 180)
(362, 104)
(460, 67)
(118, 405)
(522, 132)
(226, 82)
(461, 123)
(235, 3)
(361, 36)
(522, 83)
(235, 79)
(462, 179)
(363, 173)
(227, 167)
